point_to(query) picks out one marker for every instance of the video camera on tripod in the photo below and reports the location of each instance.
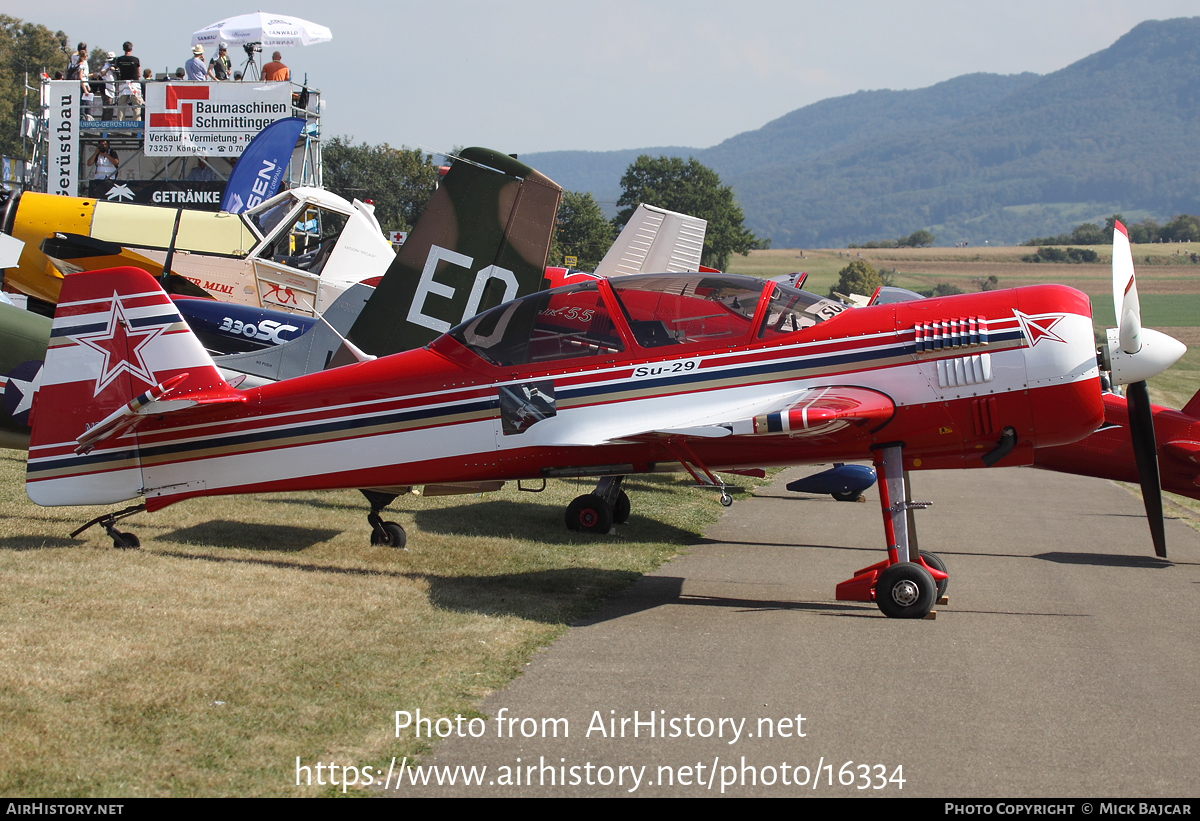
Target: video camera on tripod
(251, 49)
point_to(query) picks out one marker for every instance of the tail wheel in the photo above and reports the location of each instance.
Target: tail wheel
(905, 591)
(589, 514)
(122, 541)
(935, 561)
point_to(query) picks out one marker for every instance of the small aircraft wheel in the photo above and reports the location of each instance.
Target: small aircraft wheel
(726, 500)
(121, 541)
(621, 509)
(935, 561)
(848, 496)
(589, 514)
(905, 591)
(392, 536)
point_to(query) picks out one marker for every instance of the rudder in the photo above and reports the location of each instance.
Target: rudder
(118, 351)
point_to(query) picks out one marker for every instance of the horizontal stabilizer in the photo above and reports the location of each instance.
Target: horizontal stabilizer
(78, 246)
(1192, 408)
(1183, 450)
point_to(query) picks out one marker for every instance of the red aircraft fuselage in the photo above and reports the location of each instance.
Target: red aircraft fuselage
(600, 378)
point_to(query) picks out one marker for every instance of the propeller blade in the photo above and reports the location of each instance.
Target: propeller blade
(1145, 454)
(1126, 307)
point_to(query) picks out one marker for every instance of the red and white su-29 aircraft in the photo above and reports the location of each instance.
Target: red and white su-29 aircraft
(601, 378)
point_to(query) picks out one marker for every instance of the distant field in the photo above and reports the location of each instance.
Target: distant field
(1168, 271)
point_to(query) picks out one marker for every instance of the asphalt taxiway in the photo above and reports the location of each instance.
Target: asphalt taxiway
(1065, 663)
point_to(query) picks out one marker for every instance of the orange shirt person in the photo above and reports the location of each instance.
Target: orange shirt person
(276, 71)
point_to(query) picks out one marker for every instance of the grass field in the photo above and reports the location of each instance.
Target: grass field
(250, 631)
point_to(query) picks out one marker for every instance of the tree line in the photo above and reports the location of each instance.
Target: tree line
(26, 49)
(1183, 228)
(688, 187)
(917, 239)
(400, 182)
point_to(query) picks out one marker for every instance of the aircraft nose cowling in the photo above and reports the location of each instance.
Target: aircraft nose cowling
(1158, 353)
(1062, 377)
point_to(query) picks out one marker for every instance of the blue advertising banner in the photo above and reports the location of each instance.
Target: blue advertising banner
(260, 168)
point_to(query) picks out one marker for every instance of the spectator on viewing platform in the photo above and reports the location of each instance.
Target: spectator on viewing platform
(196, 70)
(201, 172)
(109, 75)
(179, 74)
(106, 162)
(129, 93)
(275, 71)
(77, 69)
(219, 66)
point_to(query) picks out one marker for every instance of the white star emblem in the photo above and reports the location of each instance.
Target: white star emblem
(1039, 327)
(17, 392)
(114, 342)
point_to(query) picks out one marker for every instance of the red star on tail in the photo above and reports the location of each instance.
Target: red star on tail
(114, 342)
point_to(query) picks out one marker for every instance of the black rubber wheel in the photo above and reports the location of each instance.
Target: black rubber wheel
(589, 514)
(905, 591)
(392, 536)
(935, 561)
(121, 541)
(848, 496)
(621, 509)
(726, 500)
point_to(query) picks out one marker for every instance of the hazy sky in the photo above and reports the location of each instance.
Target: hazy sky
(534, 75)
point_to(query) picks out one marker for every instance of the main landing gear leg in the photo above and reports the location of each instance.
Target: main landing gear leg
(609, 489)
(108, 522)
(905, 585)
(932, 560)
(383, 533)
(598, 511)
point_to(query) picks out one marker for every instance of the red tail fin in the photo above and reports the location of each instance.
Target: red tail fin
(116, 337)
(1192, 408)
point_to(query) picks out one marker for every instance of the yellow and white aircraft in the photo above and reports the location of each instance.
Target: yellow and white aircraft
(295, 252)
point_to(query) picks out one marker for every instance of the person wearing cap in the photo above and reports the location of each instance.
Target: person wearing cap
(219, 66)
(275, 71)
(196, 70)
(129, 94)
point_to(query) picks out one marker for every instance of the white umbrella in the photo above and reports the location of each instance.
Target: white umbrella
(272, 30)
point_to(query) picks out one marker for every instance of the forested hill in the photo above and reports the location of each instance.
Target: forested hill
(976, 158)
(816, 129)
(796, 137)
